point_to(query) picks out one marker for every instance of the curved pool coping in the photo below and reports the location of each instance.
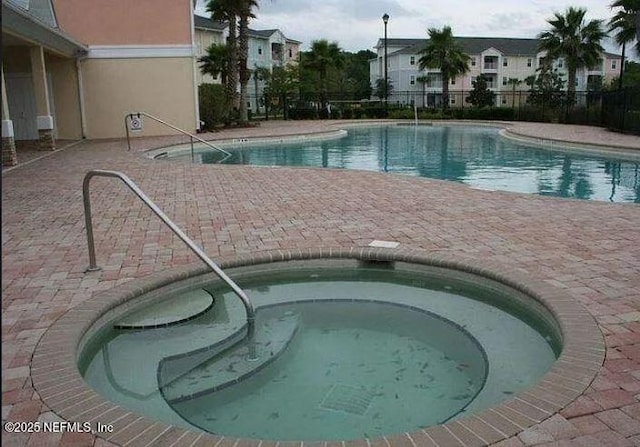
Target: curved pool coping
(57, 380)
(507, 132)
(590, 149)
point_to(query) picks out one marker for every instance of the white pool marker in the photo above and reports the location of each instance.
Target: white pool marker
(384, 244)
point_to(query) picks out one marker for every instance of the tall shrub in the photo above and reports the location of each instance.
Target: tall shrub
(212, 105)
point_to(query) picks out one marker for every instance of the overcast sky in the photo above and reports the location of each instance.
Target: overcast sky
(357, 24)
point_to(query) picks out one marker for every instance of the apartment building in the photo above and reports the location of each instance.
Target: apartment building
(267, 49)
(499, 59)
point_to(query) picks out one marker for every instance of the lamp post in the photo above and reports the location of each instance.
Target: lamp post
(385, 19)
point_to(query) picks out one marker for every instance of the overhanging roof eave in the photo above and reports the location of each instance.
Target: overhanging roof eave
(29, 29)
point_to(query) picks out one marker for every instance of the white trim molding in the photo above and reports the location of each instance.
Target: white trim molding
(139, 51)
(7, 129)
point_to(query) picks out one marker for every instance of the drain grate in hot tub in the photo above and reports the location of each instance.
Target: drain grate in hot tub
(349, 399)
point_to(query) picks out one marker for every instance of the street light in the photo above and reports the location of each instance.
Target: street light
(385, 19)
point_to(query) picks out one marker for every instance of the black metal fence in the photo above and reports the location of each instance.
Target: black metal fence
(621, 110)
(617, 110)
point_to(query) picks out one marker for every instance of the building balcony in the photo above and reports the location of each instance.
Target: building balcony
(490, 63)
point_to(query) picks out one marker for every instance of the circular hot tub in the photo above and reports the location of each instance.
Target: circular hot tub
(356, 345)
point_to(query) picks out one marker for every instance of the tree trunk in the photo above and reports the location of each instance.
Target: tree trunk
(571, 88)
(243, 72)
(445, 91)
(624, 45)
(232, 42)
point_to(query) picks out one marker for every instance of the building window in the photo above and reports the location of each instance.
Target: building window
(412, 81)
(560, 63)
(503, 100)
(504, 80)
(614, 64)
(473, 61)
(259, 50)
(505, 62)
(529, 61)
(290, 52)
(473, 80)
(412, 61)
(452, 100)
(453, 81)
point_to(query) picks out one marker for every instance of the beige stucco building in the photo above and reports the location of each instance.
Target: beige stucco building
(74, 69)
(267, 49)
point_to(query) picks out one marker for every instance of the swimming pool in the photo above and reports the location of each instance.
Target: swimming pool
(474, 155)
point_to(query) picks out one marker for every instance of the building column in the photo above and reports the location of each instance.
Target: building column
(9, 156)
(41, 90)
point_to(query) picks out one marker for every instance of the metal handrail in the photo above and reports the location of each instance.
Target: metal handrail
(173, 227)
(128, 117)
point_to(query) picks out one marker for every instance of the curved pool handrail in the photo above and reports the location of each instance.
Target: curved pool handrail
(192, 137)
(173, 227)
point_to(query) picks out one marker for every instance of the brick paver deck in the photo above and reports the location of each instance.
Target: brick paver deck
(589, 249)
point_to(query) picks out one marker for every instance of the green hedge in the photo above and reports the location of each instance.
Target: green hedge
(213, 110)
(302, 114)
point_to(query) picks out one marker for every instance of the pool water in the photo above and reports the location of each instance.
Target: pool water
(355, 353)
(476, 156)
(353, 370)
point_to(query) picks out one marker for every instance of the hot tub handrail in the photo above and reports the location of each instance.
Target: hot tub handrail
(158, 212)
(192, 137)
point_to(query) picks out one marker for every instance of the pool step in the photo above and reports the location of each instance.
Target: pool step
(206, 372)
(180, 308)
(221, 327)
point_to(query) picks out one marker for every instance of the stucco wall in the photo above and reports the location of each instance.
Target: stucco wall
(65, 96)
(117, 22)
(160, 86)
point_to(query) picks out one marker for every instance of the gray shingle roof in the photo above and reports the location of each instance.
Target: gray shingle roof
(42, 10)
(475, 45)
(206, 23)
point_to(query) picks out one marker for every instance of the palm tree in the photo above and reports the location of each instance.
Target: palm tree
(514, 82)
(216, 62)
(623, 23)
(226, 11)
(575, 40)
(443, 52)
(322, 56)
(245, 13)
